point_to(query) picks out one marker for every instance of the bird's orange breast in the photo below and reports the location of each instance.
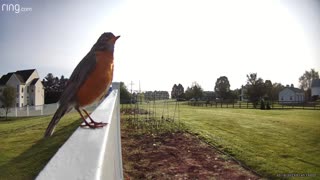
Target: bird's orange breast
(97, 81)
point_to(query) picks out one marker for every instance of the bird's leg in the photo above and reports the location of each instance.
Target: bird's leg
(92, 121)
(83, 119)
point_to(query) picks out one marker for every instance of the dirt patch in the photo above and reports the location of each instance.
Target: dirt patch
(175, 156)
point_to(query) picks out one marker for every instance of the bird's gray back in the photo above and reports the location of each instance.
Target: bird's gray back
(77, 78)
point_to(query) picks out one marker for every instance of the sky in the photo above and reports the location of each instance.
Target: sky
(166, 42)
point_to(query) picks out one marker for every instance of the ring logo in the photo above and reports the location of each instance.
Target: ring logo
(16, 8)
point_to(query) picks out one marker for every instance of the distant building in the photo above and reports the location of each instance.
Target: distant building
(290, 94)
(156, 95)
(243, 95)
(315, 87)
(29, 88)
(208, 96)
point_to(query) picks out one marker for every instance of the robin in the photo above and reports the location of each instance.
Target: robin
(89, 81)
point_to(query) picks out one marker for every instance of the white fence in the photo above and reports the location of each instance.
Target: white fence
(46, 109)
(91, 153)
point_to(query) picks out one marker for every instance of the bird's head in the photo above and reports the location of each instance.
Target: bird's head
(106, 42)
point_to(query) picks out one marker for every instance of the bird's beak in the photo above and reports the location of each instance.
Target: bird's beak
(117, 37)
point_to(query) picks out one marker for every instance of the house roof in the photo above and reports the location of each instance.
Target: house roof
(315, 83)
(5, 78)
(296, 90)
(22, 76)
(34, 81)
(25, 74)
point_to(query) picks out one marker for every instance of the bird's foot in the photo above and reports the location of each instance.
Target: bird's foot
(94, 122)
(93, 125)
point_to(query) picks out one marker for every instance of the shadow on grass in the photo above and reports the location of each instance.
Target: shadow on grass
(28, 164)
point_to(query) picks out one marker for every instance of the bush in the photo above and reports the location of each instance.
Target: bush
(315, 98)
(262, 105)
(268, 106)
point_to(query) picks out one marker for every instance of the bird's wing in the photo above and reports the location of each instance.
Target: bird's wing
(78, 77)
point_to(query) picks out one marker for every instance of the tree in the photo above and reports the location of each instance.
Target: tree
(188, 93)
(222, 87)
(195, 91)
(53, 87)
(255, 88)
(174, 93)
(268, 89)
(49, 82)
(62, 83)
(8, 98)
(276, 88)
(234, 94)
(177, 91)
(125, 96)
(306, 79)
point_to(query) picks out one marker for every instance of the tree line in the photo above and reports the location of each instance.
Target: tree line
(255, 89)
(53, 87)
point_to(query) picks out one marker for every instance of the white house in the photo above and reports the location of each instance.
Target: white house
(29, 88)
(290, 94)
(315, 87)
(243, 95)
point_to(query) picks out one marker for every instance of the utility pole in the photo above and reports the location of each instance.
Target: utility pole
(140, 95)
(131, 83)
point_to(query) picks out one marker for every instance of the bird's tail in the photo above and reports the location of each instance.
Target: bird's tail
(63, 108)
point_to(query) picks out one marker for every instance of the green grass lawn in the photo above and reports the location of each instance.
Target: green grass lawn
(269, 141)
(23, 151)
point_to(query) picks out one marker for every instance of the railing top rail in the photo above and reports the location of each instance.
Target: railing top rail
(82, 155)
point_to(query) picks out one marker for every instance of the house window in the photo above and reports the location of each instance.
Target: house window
(22, 104)
(290, 98)
(17, 96)
(22, 90)
(21, 96)
(281, 98)
(27, 89)
(17, 104)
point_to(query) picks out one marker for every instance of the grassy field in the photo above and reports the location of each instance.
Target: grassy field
(23, 151)
(271, 142)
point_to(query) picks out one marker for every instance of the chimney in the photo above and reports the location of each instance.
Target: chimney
(292, 85)
(287, 85)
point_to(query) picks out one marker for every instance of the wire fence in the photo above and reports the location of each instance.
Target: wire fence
(251, 105)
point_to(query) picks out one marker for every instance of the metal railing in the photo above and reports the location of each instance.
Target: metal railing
(91, 153)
